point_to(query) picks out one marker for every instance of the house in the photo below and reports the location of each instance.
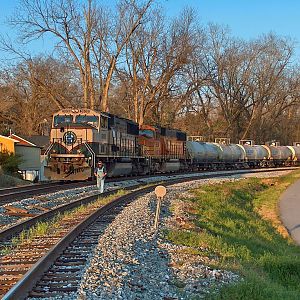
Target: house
(42, 141)
(30, 166)
(7, 144)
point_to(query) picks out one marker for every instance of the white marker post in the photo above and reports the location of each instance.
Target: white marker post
(160, 192)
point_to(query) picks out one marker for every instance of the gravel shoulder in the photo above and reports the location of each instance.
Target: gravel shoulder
(39, 204)
(132, 261)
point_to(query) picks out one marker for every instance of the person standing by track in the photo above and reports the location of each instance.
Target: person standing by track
(100, 173)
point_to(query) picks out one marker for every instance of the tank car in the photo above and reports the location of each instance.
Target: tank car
(232, 155)
(203, 155)
(257, 155)
(281, 155)
(295, 153)
(214, 155)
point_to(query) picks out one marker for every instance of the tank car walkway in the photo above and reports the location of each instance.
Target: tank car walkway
(289, 207)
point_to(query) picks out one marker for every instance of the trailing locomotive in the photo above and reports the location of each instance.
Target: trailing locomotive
(79, 138)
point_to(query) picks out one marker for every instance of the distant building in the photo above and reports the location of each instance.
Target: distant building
(30, 166)
(42, 141)
(7, 144)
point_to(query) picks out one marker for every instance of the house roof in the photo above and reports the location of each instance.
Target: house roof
(9, 138)
(41, 141)
(22, 141)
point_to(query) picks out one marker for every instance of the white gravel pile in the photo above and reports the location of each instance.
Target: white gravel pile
(127, 263)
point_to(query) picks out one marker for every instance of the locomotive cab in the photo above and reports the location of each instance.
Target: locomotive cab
(70, 155)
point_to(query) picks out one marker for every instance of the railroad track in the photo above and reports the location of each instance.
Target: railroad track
(9, 195)
(58, 273)
(64, 275)
(16, 229)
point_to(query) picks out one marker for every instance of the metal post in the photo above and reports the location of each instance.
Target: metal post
(157, 213)
(160, 192)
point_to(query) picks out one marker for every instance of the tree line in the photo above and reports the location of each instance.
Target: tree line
(134, 61)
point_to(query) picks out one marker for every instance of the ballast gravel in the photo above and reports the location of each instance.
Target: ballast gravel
(39, 204)
(132, 261)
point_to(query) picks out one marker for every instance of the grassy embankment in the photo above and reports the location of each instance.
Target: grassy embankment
(11, 181)
(238, 223)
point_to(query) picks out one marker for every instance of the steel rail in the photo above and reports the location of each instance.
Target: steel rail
(9, 195)
(14, 230)
(22, 288)
(12, 194)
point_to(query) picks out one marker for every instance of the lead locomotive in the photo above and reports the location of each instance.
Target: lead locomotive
(79, 138)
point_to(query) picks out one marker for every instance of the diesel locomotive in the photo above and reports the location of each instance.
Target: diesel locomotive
(79, 138)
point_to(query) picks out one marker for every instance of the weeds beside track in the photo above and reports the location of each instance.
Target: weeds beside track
(238, 224)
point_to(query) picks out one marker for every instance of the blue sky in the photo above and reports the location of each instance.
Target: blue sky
(246, 18)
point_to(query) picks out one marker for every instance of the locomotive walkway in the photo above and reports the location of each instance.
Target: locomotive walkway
(290, 210)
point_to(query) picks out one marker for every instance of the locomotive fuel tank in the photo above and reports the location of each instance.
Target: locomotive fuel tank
(280, 152)
(203, 152)
(120, 169)
(171, 166)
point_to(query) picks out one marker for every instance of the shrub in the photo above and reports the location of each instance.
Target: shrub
(9, 162)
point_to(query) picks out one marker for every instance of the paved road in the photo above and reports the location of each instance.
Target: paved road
(290, 210)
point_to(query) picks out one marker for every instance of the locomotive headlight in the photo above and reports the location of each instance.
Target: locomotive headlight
(53, 151)
(78, 151)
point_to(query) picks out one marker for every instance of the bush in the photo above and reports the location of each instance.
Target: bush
(9, 162)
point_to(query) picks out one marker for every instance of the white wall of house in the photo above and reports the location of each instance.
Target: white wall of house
(30, 165)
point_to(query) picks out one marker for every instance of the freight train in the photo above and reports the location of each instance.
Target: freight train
(79, 138)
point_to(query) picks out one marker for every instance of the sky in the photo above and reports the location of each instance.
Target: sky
(247, 19)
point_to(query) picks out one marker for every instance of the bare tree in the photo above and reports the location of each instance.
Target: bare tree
(129, 16)
(133, 61)
(155, 60)
(76, 29)
(27, 88)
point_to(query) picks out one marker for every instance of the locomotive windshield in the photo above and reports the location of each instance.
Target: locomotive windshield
(147, 133)
(62, 119)
(91, 120)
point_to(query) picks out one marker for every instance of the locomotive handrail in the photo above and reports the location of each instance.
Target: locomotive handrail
(49, 148)
(92, 152)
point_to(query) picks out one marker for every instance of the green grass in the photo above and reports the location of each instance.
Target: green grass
(241, 231)
(11, 181)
